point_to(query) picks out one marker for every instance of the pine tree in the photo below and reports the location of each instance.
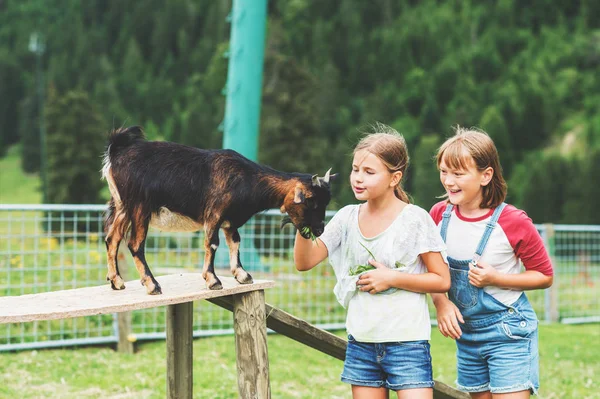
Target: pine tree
(11, 90)
(492, 122)
(426, 185)
(75, 145)
(29, 130)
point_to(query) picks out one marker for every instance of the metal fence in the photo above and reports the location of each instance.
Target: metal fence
(55, 247)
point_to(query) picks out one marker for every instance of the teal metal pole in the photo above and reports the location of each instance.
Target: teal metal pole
(242, 107)
(244, 76)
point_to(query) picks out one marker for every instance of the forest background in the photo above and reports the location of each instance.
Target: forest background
(527, 72)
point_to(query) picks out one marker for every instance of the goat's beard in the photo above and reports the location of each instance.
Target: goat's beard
(305, 232)
(286, 220)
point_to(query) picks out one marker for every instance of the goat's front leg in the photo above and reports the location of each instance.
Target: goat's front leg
(114, 228)
(136, 245)
(211, 243)
(232, 236)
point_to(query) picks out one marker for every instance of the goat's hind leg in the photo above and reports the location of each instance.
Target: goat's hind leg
(232, 236)
(137, 243)
(114, 229)
(211, 243)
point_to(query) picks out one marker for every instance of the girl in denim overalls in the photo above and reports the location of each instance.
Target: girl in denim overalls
(388, 320)
(487, 312)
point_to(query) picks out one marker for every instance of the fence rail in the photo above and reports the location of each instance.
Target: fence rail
(55, 247)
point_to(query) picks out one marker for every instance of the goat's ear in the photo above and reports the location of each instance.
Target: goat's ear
(298, 195)
(316, 181)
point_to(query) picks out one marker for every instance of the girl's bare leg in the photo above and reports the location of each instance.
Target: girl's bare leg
(360, 392)
(416, 393)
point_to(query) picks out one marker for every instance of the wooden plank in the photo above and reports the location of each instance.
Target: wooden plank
(177, 288)
(323, 341)
(297, 329)
(180, 350)
(443, 391)
(251, 345)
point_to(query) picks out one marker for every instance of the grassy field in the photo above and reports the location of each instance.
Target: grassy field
(16, 186)
(569, 369)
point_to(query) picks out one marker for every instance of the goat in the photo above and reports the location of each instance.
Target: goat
(174, 187)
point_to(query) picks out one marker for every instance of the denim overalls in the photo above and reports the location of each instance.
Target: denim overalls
(484, 362)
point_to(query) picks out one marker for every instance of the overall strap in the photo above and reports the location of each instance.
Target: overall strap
(488, 231)
(446, 221)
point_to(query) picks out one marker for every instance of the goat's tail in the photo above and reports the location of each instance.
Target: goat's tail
(124, 137)
(118, 140)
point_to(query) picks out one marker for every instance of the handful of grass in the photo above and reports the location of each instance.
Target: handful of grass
(307, 231)
(358, 269)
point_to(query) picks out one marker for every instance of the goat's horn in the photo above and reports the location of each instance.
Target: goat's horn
(326, 178)
(316, 181)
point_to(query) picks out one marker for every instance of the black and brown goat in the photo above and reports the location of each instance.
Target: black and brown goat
(173, 187)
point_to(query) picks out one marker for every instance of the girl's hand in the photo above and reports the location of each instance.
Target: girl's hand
(376, 280)
(483, 275)
(448, 317)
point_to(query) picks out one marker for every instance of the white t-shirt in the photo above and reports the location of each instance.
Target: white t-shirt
(383, 317)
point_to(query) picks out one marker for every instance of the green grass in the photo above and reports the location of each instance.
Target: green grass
(569, 369)
(16, 186)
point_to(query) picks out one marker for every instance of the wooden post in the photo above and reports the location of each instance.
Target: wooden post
(552, 312)
(249, 324)
(125, 344)
(179, 350)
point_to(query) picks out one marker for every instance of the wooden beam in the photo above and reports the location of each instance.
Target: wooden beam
(125, 344)
(323, 341)
(180, 350)
(251, 345)
(297, 329)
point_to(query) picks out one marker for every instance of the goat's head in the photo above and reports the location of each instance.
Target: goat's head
(306, 203)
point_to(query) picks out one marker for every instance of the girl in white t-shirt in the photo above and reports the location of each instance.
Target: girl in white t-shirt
(388, 319)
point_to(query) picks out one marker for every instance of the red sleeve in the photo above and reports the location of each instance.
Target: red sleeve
(525, 240)
(437, 211)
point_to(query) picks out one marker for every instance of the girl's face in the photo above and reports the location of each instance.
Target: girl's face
(370, 178)
(464, 186)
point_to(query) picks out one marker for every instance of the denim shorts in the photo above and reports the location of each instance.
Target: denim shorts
(501, 357)
(391, 365)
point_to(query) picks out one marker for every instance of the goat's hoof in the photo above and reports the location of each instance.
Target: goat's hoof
(117, 283)
(156, 290)
(152, 286)
(216, 285)
(244, 278)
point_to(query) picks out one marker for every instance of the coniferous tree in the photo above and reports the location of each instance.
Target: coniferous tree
(426, 185)
(76, 138)
(30, 134)
(492, 122)
(11, 89)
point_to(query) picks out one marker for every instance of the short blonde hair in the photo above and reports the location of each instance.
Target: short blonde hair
(473, 145)
(390, 147)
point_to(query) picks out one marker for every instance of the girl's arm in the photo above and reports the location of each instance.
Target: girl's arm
(308, 254)
(484, 275)
(437, 278)
(448, 316)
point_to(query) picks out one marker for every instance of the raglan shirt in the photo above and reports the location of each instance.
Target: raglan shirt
(513, 241)
(396, 315)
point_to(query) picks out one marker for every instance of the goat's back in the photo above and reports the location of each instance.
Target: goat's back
(184, 179)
